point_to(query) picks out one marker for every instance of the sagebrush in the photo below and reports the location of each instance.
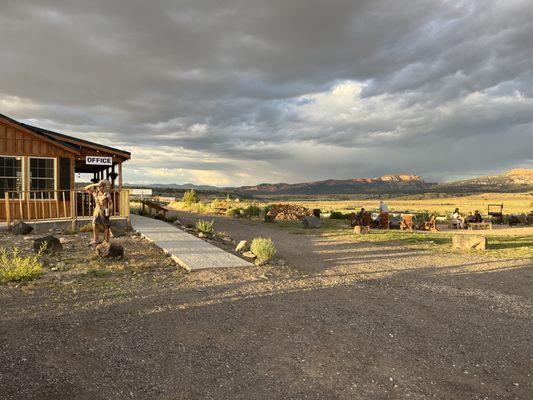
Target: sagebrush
(17, 268)
(190, 196)
(263, 248)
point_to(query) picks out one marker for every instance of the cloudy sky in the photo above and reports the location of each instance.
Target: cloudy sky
(234, 92)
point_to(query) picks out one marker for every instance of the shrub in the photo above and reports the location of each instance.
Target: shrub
(234, 212)
(172, 219)
(190, 196)
(218, 204)
(252, 211)
(336, 215)
(17, 268)
(204, 226)
(263, 248)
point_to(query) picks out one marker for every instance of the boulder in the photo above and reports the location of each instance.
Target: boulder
(249, 254)
(311, 222)
(110, 250)
(21, 228)
(361, 230)
(53, 245)
(242, 246)
(117, 231)
(469, 242)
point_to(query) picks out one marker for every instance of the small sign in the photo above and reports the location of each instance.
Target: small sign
(94, 160)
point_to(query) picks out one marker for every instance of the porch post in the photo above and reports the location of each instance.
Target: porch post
(120, 176)
(8, 215)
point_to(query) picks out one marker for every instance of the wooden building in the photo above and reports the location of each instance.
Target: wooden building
(37, 169)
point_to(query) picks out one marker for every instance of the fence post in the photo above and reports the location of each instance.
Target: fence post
(8, 214)
(73, 200)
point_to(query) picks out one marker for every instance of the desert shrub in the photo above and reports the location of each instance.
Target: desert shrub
(234, 212)
(218, 204)
(17, 268)
(204, 226)
(172, 219)
(336, 215)
(252, 211)
(263, 248)
(190, 197)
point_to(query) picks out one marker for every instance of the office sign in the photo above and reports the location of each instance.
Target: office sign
(97, 160)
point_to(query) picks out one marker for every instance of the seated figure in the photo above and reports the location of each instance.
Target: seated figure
(456, 220)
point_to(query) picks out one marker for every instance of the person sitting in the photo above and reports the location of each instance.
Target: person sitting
(358, 218)
(456, 220)
(383, 207)
(477, 217)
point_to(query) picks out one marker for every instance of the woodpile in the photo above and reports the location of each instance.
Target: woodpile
(287, 212)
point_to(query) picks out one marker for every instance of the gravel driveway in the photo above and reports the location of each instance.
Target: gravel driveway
(373, 322)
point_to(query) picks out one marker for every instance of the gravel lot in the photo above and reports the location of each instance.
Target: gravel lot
(363, 321)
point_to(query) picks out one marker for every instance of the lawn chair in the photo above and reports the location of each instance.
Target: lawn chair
(407, 222)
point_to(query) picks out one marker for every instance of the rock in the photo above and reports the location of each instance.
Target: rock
(63, 240)
(177, 222)
(27, 238)
(249, 254)
(117, 231)
(242, 246)
(53, 244)
(201, 235)
(469, 242)
(311, 222)
(260, 263)
(21, 228)
(361, 230)
(110, 250)
(281, 263)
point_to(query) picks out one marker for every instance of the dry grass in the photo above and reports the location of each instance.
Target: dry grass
(514, 203)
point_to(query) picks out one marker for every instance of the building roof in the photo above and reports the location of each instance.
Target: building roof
(70, 142)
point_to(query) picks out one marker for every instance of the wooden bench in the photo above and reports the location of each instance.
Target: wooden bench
(158, 208)
(474, 226)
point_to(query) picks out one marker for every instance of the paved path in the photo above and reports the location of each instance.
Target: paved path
(187, 250)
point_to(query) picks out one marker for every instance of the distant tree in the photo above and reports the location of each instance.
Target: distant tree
(190, 197)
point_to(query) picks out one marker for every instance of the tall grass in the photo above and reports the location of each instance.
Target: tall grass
(17, 268)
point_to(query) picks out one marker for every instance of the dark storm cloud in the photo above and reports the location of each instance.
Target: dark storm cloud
(248, 90)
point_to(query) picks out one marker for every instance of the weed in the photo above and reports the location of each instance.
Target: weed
(263, 248)
(190, 197)
(17, 268)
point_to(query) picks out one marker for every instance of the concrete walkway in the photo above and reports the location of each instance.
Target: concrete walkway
(187, 250)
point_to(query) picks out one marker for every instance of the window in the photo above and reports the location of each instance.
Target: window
(42, 178)
(10, 175)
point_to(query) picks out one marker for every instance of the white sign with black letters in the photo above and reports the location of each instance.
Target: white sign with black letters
(97, 160)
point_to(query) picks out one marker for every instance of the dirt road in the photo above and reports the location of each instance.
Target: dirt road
(377, 322)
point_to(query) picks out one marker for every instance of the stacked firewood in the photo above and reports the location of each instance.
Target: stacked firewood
(287, 212)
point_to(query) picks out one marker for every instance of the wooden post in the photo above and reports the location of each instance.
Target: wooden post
(8, 215)
(73, 208)
(120, 176)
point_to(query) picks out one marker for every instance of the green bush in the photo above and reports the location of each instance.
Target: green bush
(17, 268)
(252, 211)
(204, 226)
(336, 215)
(190, 197)
(234, 212)
(172, 219)
(263, 248)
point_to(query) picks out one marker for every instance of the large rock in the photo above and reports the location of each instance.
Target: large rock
(51, 243)
(117, 231)
(311, 222)
(469, 242)
(21, 228)
(242, 246)
(110, 250)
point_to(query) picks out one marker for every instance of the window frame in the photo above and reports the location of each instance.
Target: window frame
(23, 175)
(54, 190)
